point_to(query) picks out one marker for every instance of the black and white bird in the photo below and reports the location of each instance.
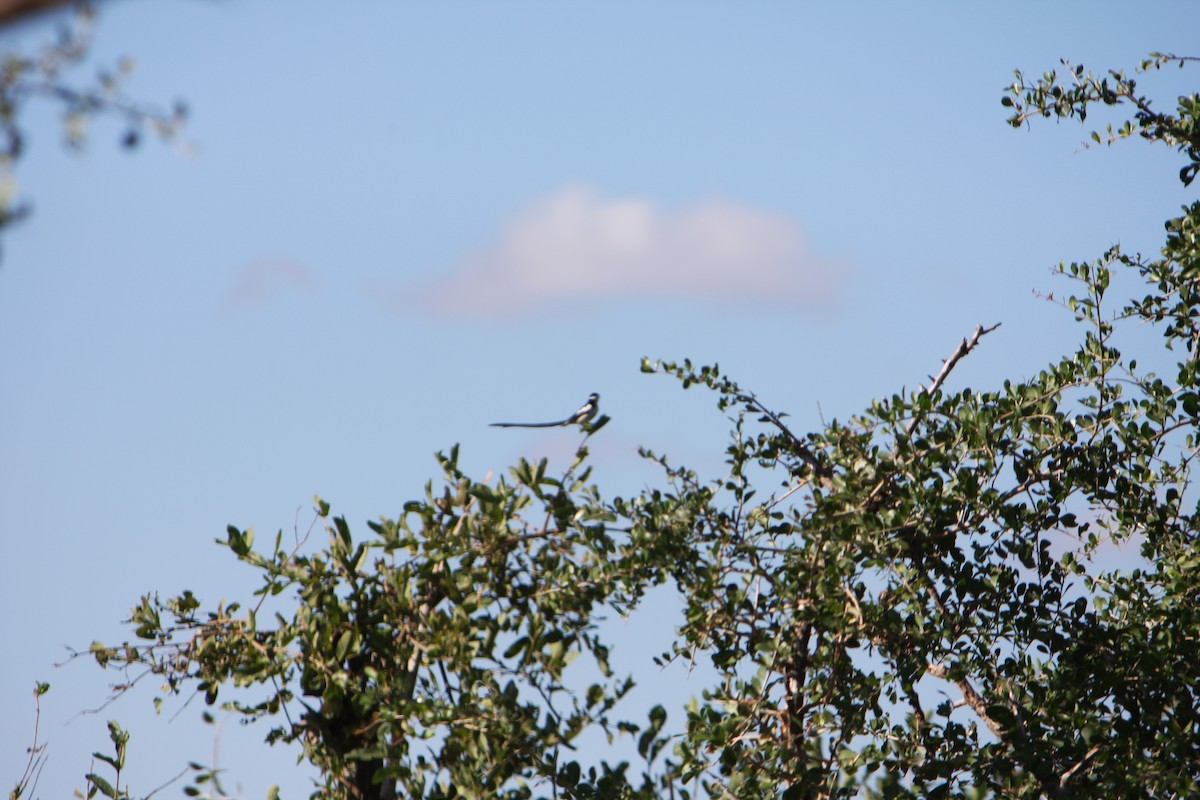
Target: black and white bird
(586, 413)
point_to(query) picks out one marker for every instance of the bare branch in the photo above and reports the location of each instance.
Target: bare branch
(964, 347)
(1066, 776)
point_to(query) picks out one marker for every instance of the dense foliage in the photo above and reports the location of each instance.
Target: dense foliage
(919, 601)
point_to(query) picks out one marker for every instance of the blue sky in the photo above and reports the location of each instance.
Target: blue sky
(399, 222)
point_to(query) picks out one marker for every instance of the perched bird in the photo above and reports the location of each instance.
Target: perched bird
(586, 413)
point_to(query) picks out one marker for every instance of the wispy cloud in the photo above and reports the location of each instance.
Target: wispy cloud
(576, 245)
(263, 278)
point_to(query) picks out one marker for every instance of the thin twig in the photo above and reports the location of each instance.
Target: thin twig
(824, 475)
(155, 791)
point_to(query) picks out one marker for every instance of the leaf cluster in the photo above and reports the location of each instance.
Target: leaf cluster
(1072, 95)
(429, 659)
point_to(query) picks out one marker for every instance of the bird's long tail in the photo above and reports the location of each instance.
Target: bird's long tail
(560, 423)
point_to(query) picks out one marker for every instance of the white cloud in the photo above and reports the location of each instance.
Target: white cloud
(576, 246)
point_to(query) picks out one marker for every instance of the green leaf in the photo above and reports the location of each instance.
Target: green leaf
(104, 786)
(518, 646)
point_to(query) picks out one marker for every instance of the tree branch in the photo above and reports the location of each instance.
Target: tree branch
(801, 449)
(1066, 776)
(971, 697)
(964, 347)
(12, 10)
